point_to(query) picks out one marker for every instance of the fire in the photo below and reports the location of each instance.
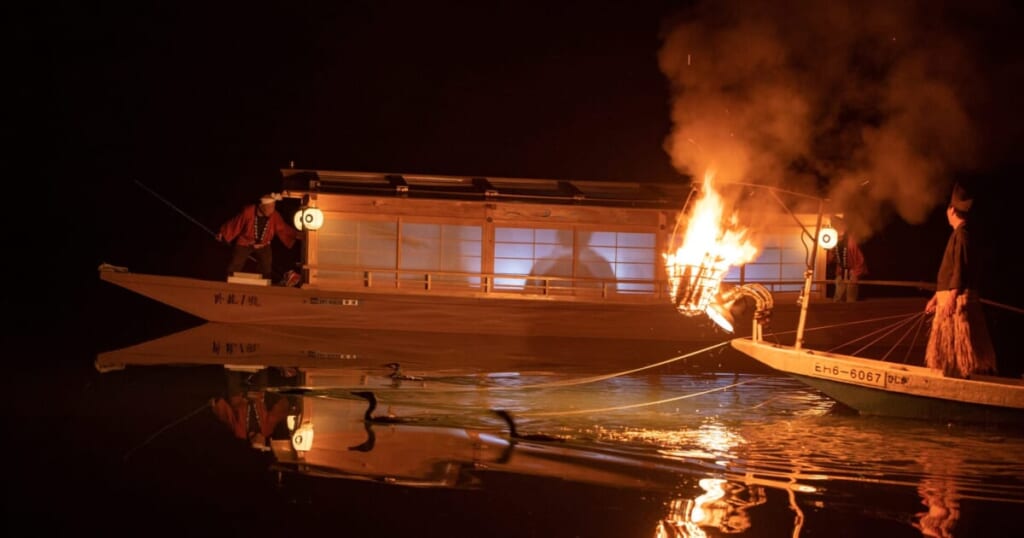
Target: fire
(711, 245)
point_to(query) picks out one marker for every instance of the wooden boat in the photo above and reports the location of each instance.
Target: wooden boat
(475, 255)
(873, 386)
(487, 313)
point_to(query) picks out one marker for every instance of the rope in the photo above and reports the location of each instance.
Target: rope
(892, 329)
(633, 406)
(594, 379)
(917, 334)
(885, 331)
(917, 321)
(324, 391)
(860, 322)
(913, 322)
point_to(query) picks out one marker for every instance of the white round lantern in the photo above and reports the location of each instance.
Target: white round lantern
(828, 237)
(302, 439)
(309, 218)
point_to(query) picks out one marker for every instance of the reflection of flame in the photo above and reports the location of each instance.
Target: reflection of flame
(702, 512)
(722, 506)
(711, 245)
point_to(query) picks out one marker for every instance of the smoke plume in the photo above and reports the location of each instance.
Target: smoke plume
(874, 104)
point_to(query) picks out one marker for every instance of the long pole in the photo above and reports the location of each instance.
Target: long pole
(172, 206)
(182, 213)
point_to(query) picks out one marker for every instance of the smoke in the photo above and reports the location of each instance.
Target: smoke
(867, 102)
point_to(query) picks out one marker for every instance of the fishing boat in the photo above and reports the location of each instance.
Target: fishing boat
(869, 385)
(874, 387)
(478, 255)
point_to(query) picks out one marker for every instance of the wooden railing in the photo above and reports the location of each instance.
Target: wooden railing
(461, 283)
(529, 286)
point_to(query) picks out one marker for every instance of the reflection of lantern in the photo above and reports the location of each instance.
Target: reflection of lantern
(302, 439)
(309, 218)
(828, 237)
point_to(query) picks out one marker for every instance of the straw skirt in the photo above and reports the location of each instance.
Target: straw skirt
(959, 344)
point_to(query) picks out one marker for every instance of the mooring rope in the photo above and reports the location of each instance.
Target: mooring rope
(633, 406)
(594, 379)
(325, 391)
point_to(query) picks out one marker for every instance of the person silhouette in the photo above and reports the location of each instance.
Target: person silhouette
(959, 343)
(249, 411)
(848, 262)
(573, 262)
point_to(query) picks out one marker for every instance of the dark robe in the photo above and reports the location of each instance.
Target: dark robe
(959, 344)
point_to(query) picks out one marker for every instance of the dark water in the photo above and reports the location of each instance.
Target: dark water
(699, 450)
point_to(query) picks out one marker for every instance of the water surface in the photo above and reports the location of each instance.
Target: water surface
(679, 449)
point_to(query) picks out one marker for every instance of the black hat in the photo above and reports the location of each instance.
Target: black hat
(961, 199)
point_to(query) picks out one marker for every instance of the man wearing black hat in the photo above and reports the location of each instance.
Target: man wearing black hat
(959, 343)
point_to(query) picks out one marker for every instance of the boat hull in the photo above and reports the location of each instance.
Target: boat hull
(873, 387)
(486, 314)
(226, 302)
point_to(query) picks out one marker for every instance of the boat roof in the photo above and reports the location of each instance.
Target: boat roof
(653, 194)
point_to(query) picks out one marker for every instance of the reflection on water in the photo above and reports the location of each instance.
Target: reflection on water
(940, 496)
(653, 452)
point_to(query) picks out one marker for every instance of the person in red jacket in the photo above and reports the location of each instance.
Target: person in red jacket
(252, 230)
(249, 411)
(849, 264)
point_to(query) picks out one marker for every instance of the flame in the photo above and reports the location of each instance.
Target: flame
(711, 245)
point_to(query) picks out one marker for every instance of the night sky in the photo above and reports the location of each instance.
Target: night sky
(203, 103)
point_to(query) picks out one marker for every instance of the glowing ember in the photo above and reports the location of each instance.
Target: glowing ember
(710, 247)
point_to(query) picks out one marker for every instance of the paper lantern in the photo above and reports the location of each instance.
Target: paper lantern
(302, 439)
(828, 237)
(309, 218)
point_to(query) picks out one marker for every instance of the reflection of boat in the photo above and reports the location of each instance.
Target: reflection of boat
(334, 441)
(432, 450)
(465, 451)
(256, 346)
